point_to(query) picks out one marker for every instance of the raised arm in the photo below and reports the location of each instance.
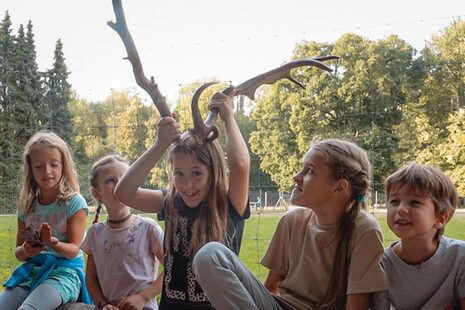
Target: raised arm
(128, 188)
(237, 152)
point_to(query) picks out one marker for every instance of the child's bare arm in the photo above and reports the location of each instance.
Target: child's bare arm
(128, 188)
(93, 283)
(358, 301)
(272, 282)
(159, 279)
(76, 227)
(237, 152)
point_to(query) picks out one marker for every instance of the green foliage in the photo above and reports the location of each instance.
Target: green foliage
(361, 101)
(432, 123)
(58, 117)
(20, 98)
(452, 151)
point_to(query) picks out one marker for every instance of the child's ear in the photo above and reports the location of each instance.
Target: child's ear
(441, 220)
(95, 193)
(342, 185)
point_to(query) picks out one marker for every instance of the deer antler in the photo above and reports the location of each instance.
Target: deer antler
(207, 131)
(204, 132)
(148, 85)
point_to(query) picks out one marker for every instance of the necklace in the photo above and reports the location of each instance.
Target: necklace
(124, 219)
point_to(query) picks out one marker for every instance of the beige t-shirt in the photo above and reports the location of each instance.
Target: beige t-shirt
(303, 251)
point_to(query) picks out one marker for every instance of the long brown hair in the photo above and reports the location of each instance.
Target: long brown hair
(431, 182)
(350, 162)
(211, 225)
(69, 181)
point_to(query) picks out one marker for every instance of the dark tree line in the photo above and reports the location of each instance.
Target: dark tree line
(29, 100)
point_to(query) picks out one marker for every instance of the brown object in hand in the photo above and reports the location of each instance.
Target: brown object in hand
(32, 236)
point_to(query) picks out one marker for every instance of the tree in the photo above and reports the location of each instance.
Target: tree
(35, 82)
(127, 127)
(431, 127)
(91, 133)
(26, 92)
(58, 96)
(361, 101)
(7, 144)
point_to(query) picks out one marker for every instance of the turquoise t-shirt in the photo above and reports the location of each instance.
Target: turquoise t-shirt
(57, 214)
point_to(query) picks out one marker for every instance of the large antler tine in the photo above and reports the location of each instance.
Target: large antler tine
(311, 62)
(327, 57)
(149, 86)
(315, 62)
(292, 79)
(249, 87)
(201, 132)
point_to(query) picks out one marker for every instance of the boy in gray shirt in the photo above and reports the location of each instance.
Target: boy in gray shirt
(425, 270)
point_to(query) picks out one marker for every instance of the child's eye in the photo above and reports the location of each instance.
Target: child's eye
(196, 173)
(37, 166)
(306, 171)
(393, 202)
(111, 181)
(177, 174)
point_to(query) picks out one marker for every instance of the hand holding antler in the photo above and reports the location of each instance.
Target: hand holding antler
(168, 131)
(224, 104)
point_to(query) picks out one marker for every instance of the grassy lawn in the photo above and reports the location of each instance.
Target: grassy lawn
(257, 235)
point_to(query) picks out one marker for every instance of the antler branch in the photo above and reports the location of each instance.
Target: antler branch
(207, 131)
(149, 86)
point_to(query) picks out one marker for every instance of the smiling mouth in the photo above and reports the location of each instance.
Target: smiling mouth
(402, 222)
(190, 194)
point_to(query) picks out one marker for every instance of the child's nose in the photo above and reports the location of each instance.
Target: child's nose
(48, 168)
(189, 183)
(402, 208)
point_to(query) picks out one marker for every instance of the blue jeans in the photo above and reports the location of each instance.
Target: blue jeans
(227, 281)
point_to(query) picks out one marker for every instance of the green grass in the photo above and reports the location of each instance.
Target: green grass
(257, 235)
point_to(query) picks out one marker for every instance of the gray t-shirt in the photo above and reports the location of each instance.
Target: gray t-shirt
(437, 283)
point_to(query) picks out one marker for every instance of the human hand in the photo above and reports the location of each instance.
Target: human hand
(109, 307)
(46, 235)
(224, 104)
(168, 130)
(133, 302)
(31, 249)
(31, 236)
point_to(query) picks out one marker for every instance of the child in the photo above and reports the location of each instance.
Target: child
(323, 255)
(122, 253)
(200, 206)
(425, 270)
(51, 210)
